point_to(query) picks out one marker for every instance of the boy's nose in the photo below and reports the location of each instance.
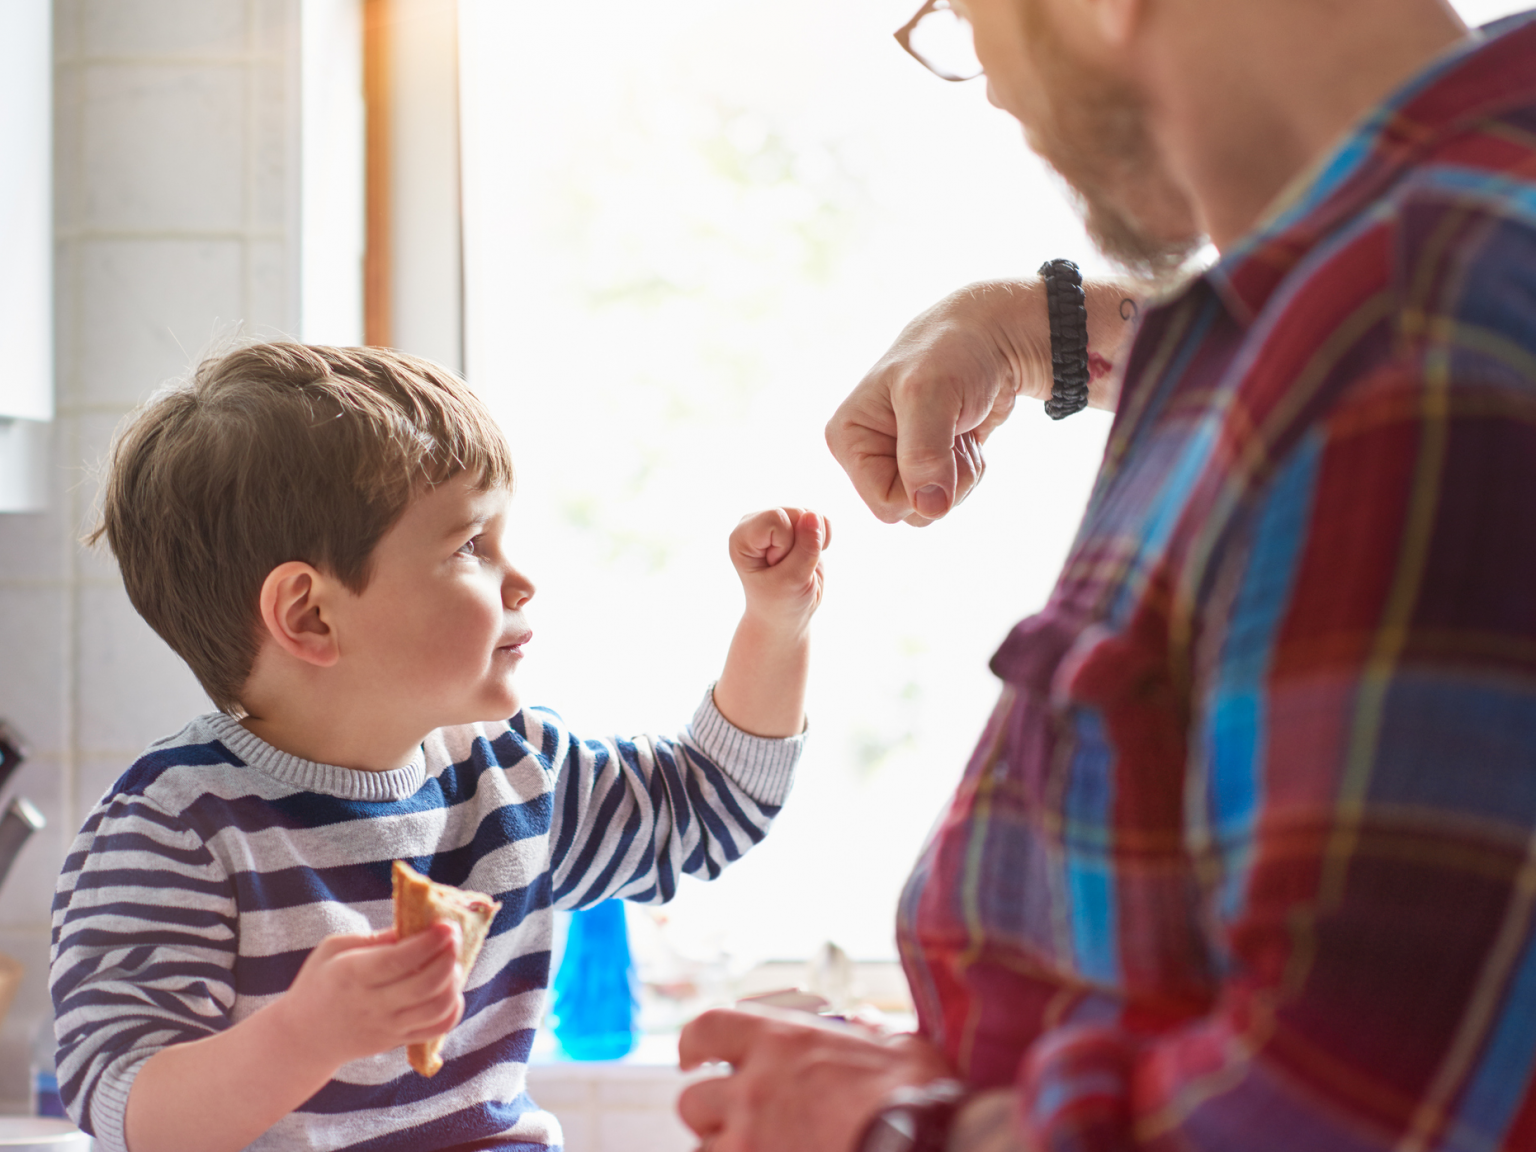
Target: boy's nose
(516, 589)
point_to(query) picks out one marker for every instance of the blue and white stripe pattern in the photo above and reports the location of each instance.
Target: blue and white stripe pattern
(208, 872)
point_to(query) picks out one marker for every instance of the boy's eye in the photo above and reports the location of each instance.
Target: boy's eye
(468, 547)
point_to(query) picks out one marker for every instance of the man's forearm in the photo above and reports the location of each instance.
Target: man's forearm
(220, 1093)
(1112, 312)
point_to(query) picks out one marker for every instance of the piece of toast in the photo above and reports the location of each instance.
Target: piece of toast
(421, 903)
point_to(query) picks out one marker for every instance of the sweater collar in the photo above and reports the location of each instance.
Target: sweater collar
(310, 776)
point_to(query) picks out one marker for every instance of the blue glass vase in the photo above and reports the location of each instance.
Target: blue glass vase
(595, 1002)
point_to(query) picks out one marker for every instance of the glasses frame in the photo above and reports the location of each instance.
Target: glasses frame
(904, 38)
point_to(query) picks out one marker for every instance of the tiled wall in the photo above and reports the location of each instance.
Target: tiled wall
(176, 224)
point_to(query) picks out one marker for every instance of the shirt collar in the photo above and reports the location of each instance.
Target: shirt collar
(1489, 72)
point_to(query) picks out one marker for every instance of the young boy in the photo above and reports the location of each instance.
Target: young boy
(322, 534)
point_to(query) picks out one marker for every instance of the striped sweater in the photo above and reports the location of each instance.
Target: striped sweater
(204, 877)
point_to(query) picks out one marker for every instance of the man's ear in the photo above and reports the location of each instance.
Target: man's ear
(1116, 20)
(296, 614)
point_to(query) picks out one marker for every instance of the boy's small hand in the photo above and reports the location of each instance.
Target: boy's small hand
(360, 995)
(777, 554)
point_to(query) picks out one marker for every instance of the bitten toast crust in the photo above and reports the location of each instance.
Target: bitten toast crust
(421, 903)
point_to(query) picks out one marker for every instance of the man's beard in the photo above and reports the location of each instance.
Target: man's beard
(1096, 137)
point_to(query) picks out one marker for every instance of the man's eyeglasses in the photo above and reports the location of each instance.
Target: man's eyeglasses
(940, 39)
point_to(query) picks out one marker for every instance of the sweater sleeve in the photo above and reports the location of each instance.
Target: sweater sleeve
(143, 951)
(631, 816)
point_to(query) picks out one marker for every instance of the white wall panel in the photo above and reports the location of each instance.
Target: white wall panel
(26, 293)
(333, 155)
(428, 281)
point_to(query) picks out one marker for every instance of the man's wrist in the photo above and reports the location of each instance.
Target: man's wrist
(1014, 313)
(1067, 318)
(984, 1123)
(1113, 311)
(915, 1118)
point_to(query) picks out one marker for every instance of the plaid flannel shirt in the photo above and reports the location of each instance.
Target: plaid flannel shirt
(1246, 856)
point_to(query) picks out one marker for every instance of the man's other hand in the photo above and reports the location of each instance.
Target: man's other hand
(796, 1084)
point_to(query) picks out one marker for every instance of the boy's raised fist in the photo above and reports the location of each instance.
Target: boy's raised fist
(777, 554)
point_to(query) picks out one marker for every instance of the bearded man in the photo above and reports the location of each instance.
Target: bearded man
(1246, 857)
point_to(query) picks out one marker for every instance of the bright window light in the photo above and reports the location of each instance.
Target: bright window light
(689, 232)
(1478, 12)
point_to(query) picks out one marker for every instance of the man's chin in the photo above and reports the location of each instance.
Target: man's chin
(1136, 249)
(1131, 208)
(1154, 246)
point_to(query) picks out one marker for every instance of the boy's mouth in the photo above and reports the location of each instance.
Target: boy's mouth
(515, 645)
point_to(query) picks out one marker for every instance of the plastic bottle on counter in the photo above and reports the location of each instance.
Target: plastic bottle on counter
(596, 1006)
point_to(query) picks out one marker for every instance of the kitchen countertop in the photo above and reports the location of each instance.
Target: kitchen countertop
(626, 1105)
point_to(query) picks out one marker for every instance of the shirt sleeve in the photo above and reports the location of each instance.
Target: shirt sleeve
(1361, 808)
(143, 950)
(631, 816)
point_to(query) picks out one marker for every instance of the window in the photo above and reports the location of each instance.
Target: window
(689, 232)
(687, 238)
(1478, 12)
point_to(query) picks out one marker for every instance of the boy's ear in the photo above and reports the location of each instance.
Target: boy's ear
(295, 615)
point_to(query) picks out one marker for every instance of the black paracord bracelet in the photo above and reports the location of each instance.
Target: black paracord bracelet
(1069, 338)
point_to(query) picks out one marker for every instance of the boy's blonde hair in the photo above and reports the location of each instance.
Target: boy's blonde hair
(270, 453)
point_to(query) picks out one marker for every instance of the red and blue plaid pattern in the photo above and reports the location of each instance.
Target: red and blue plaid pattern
(1246, 856)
